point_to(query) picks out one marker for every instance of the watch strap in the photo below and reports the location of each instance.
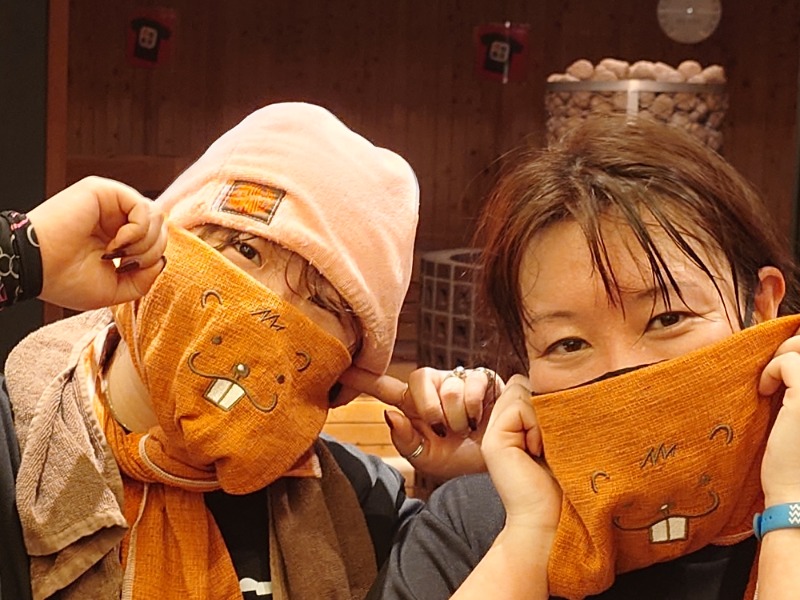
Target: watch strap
(780, 516)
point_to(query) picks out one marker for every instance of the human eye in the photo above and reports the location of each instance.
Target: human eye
(247, 251)
(566, 346)
(667, 319)
(242, 246)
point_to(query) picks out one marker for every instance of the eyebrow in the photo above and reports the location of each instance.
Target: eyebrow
(648, 293)
(555, 315)
(654, 290)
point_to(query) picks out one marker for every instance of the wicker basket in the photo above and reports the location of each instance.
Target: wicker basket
(451, 330)
(699, 108)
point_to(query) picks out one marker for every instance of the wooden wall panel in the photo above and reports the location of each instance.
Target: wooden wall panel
(56, 126)
(402, 74)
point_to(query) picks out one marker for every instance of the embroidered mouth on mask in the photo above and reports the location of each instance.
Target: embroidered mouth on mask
(658, 461)
(225, 392)
(668, 527)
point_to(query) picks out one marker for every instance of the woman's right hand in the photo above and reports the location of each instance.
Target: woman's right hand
(516, 564)
(82, 228)
(513, 451)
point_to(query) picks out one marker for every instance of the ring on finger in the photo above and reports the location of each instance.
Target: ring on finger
(490, 375)
(459, 372)
(417, 451)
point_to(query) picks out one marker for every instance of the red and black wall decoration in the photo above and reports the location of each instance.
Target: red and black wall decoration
(151, 33)
(501, 51)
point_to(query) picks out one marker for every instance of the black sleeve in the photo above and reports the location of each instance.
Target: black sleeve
(439, 547)
(381, 492)
(20, 259)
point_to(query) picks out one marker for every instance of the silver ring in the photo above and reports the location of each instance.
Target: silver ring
(417, 451)
(490, 375)
(459, 372)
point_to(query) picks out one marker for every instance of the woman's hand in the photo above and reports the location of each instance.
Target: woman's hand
(778, 574)
(87, 225)
(780, 469)
(513, 451)
(443, 418)
(516, 564)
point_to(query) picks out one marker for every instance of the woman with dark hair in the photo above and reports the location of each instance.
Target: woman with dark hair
(639, 278)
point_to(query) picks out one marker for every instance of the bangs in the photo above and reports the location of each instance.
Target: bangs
(645, 214)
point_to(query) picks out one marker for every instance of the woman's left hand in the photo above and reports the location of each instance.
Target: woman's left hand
(780, 469)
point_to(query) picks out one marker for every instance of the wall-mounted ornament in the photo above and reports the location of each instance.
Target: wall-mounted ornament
(689, 21)
(501, 51)
(151, 33)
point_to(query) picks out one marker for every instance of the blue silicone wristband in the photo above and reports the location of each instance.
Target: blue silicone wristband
(780, 516)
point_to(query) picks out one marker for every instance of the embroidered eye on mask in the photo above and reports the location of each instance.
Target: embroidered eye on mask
(660, 461)
(238, 378)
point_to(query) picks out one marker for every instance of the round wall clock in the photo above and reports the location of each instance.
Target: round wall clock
(689, 21)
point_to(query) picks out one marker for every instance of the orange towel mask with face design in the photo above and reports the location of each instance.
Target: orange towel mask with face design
(658, 462)
(238, 378)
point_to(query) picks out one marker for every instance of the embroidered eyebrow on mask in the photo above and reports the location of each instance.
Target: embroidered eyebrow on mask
(597, 475)
(268, 315)
(305, 360)
(209, 294)
(728, 433)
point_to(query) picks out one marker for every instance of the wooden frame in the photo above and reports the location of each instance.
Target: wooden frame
(56, 126)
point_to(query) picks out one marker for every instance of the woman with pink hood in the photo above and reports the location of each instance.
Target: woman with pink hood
(170, 446)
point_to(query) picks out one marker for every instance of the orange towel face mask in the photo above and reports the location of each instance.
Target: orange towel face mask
(238, 377)
(660, 461)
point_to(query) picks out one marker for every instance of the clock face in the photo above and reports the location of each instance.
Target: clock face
(689, 21)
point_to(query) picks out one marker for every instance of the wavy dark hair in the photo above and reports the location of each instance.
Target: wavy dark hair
(639, 172)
